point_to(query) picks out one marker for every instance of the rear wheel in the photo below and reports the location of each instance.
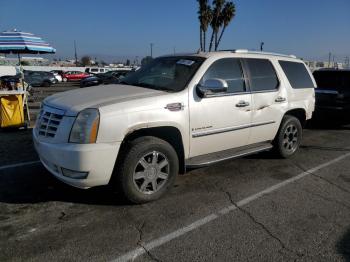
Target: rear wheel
(147, 169)
(46, 84)
(289, 136)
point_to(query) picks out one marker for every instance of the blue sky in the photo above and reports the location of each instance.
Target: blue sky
(307, 28)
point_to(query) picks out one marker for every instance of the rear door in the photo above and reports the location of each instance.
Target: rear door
(268, 99)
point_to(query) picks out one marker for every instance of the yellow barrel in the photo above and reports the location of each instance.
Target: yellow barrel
(11, 111)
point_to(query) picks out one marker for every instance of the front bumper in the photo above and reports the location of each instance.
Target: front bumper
(96, 159)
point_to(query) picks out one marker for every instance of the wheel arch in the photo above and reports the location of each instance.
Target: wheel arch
(170, 134)
(299, 113)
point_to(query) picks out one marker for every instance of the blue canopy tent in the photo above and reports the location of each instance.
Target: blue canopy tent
(16, 42)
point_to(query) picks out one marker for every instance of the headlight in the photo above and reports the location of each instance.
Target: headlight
(85, 127)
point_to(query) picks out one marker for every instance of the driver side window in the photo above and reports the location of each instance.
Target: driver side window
(230, 70)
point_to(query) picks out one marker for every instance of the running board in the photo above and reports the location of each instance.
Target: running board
(212, 158)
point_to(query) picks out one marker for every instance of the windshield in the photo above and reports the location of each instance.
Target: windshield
(165, 73)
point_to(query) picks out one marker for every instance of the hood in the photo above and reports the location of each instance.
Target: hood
(72, 102)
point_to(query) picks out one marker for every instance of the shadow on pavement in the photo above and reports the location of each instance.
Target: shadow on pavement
(34, 184)
(343, 246)
(329, 121)
(16, 145)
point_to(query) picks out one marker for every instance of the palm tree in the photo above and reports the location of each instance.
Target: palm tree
(215, 22)
(204, 16)
(207, 17)
(202, 4)
(228, 13)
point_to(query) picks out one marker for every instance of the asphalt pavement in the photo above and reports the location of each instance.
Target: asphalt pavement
(257, 208)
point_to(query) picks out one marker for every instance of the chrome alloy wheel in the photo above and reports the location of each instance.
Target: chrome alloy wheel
(290, 138)
(151, 172)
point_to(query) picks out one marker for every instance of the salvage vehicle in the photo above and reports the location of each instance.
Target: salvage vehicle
(333, 91)
(110, 77)
(73, 76)
(177, 112)
(40, 78)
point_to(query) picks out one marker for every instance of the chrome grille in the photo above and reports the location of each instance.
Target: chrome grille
(48, 123)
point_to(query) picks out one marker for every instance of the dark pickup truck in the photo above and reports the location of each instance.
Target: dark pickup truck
(333, 91)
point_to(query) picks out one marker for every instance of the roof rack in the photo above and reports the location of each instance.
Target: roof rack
(246, 51)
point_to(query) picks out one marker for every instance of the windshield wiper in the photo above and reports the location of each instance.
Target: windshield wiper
(161, 88)
(145, 85)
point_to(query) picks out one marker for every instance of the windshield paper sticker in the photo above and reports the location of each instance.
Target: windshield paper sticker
(185, 62)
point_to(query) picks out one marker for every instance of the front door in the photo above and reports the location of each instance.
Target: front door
(222, 121)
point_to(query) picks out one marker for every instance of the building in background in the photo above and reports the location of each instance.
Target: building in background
(315, 65)
(26, 60)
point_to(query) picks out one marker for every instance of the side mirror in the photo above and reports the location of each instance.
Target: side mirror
(211, 87)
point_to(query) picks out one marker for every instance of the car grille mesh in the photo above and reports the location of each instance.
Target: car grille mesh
(48, 124)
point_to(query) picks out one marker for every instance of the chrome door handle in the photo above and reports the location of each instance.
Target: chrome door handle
(242, 104)
(280, 99)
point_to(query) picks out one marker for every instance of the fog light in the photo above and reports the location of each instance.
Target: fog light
(74, 174)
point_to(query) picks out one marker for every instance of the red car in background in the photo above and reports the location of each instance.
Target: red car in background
(73, 76)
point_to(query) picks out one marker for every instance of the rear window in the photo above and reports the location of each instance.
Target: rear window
(332, 79)
(297, 74)
(262, 75)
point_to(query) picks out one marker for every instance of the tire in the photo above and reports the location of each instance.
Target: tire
(46, 84)
(64, 79)
(289, 137)
(148, 168)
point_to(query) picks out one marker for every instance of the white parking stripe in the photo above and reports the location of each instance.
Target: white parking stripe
(19, 165)
(133, 254)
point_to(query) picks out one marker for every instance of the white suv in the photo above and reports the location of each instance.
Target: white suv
(177, 112)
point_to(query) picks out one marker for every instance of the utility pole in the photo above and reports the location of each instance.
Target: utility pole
(75, 53)
(174, 50)
(347, 62)
(262, 46)
(329, 59)
(152, 49)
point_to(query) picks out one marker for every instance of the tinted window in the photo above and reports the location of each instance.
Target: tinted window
(332, 79)
(230, 70)
(262, 75)
(297, 74)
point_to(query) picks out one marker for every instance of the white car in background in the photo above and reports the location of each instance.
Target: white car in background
(176, 112)
(57, 76)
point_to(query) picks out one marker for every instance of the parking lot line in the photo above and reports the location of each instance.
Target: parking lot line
(146, 247)
(19, 165)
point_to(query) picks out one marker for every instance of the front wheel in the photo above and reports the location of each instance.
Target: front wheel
(147, 169)
(289, 136)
